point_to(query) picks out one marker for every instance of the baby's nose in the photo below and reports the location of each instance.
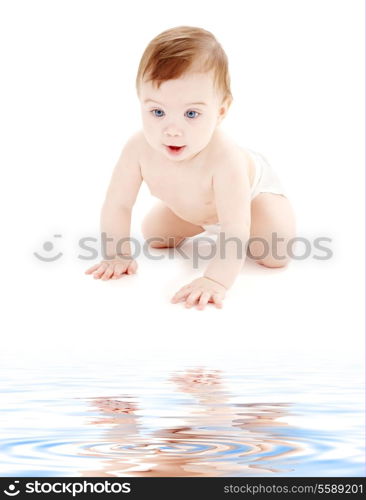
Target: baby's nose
(173, 131)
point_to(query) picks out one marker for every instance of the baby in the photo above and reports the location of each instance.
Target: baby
(204, 181)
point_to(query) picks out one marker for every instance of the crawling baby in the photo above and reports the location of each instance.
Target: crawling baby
(203, 179)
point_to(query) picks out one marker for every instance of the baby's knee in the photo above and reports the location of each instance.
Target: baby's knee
(163, 242)
(271, 262)
(270, 251)
(153, 233)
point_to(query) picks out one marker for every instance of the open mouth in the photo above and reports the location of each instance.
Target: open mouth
(175, 149)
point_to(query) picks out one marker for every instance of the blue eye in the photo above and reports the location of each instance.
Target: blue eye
(158, 113)
(189, 114)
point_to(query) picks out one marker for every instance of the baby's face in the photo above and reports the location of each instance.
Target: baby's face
(182, 112)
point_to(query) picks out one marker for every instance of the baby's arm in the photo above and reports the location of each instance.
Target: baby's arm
(116, 214)
(233, 201)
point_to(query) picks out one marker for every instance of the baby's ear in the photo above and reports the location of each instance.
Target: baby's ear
(224, 108)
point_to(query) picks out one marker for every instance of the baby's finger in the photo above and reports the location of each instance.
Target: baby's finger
(119, 269)
(193, 296)
(108, 273)
(97, 274)
(132, 267)
(217, 300)
(181, 294)
(205, 297)
(92, 269)
(115, 276)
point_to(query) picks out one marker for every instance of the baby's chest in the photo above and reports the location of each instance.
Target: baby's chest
(186, 192)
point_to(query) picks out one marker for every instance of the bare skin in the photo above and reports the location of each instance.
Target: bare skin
(207, 182)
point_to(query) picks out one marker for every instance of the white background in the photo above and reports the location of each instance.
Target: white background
(68, 104)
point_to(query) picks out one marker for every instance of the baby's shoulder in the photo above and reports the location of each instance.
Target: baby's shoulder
(141, 147)
(228, 152)
(134, 148)
(231, 157)
(136, 141)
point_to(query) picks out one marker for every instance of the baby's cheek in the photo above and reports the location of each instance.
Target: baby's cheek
(203, 135)
(150, 132)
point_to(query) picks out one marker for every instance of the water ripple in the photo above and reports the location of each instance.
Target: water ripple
(193, 422)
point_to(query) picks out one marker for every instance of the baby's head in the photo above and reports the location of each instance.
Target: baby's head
(183, 84)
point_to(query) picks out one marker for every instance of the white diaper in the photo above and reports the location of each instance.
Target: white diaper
(265, 181)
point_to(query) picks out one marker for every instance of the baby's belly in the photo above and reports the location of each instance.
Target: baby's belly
(189, 203)
(197, 213)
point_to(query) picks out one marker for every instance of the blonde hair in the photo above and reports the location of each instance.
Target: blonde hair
(174, 52)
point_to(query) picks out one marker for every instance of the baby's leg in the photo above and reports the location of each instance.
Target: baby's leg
(166, 228)
(271, 213)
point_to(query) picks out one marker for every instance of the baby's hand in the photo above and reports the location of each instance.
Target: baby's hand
(200, 292)
(113, 269)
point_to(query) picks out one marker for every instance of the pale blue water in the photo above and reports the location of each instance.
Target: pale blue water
(143, 419)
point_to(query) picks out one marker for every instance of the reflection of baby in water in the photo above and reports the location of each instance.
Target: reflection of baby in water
(214, 427)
